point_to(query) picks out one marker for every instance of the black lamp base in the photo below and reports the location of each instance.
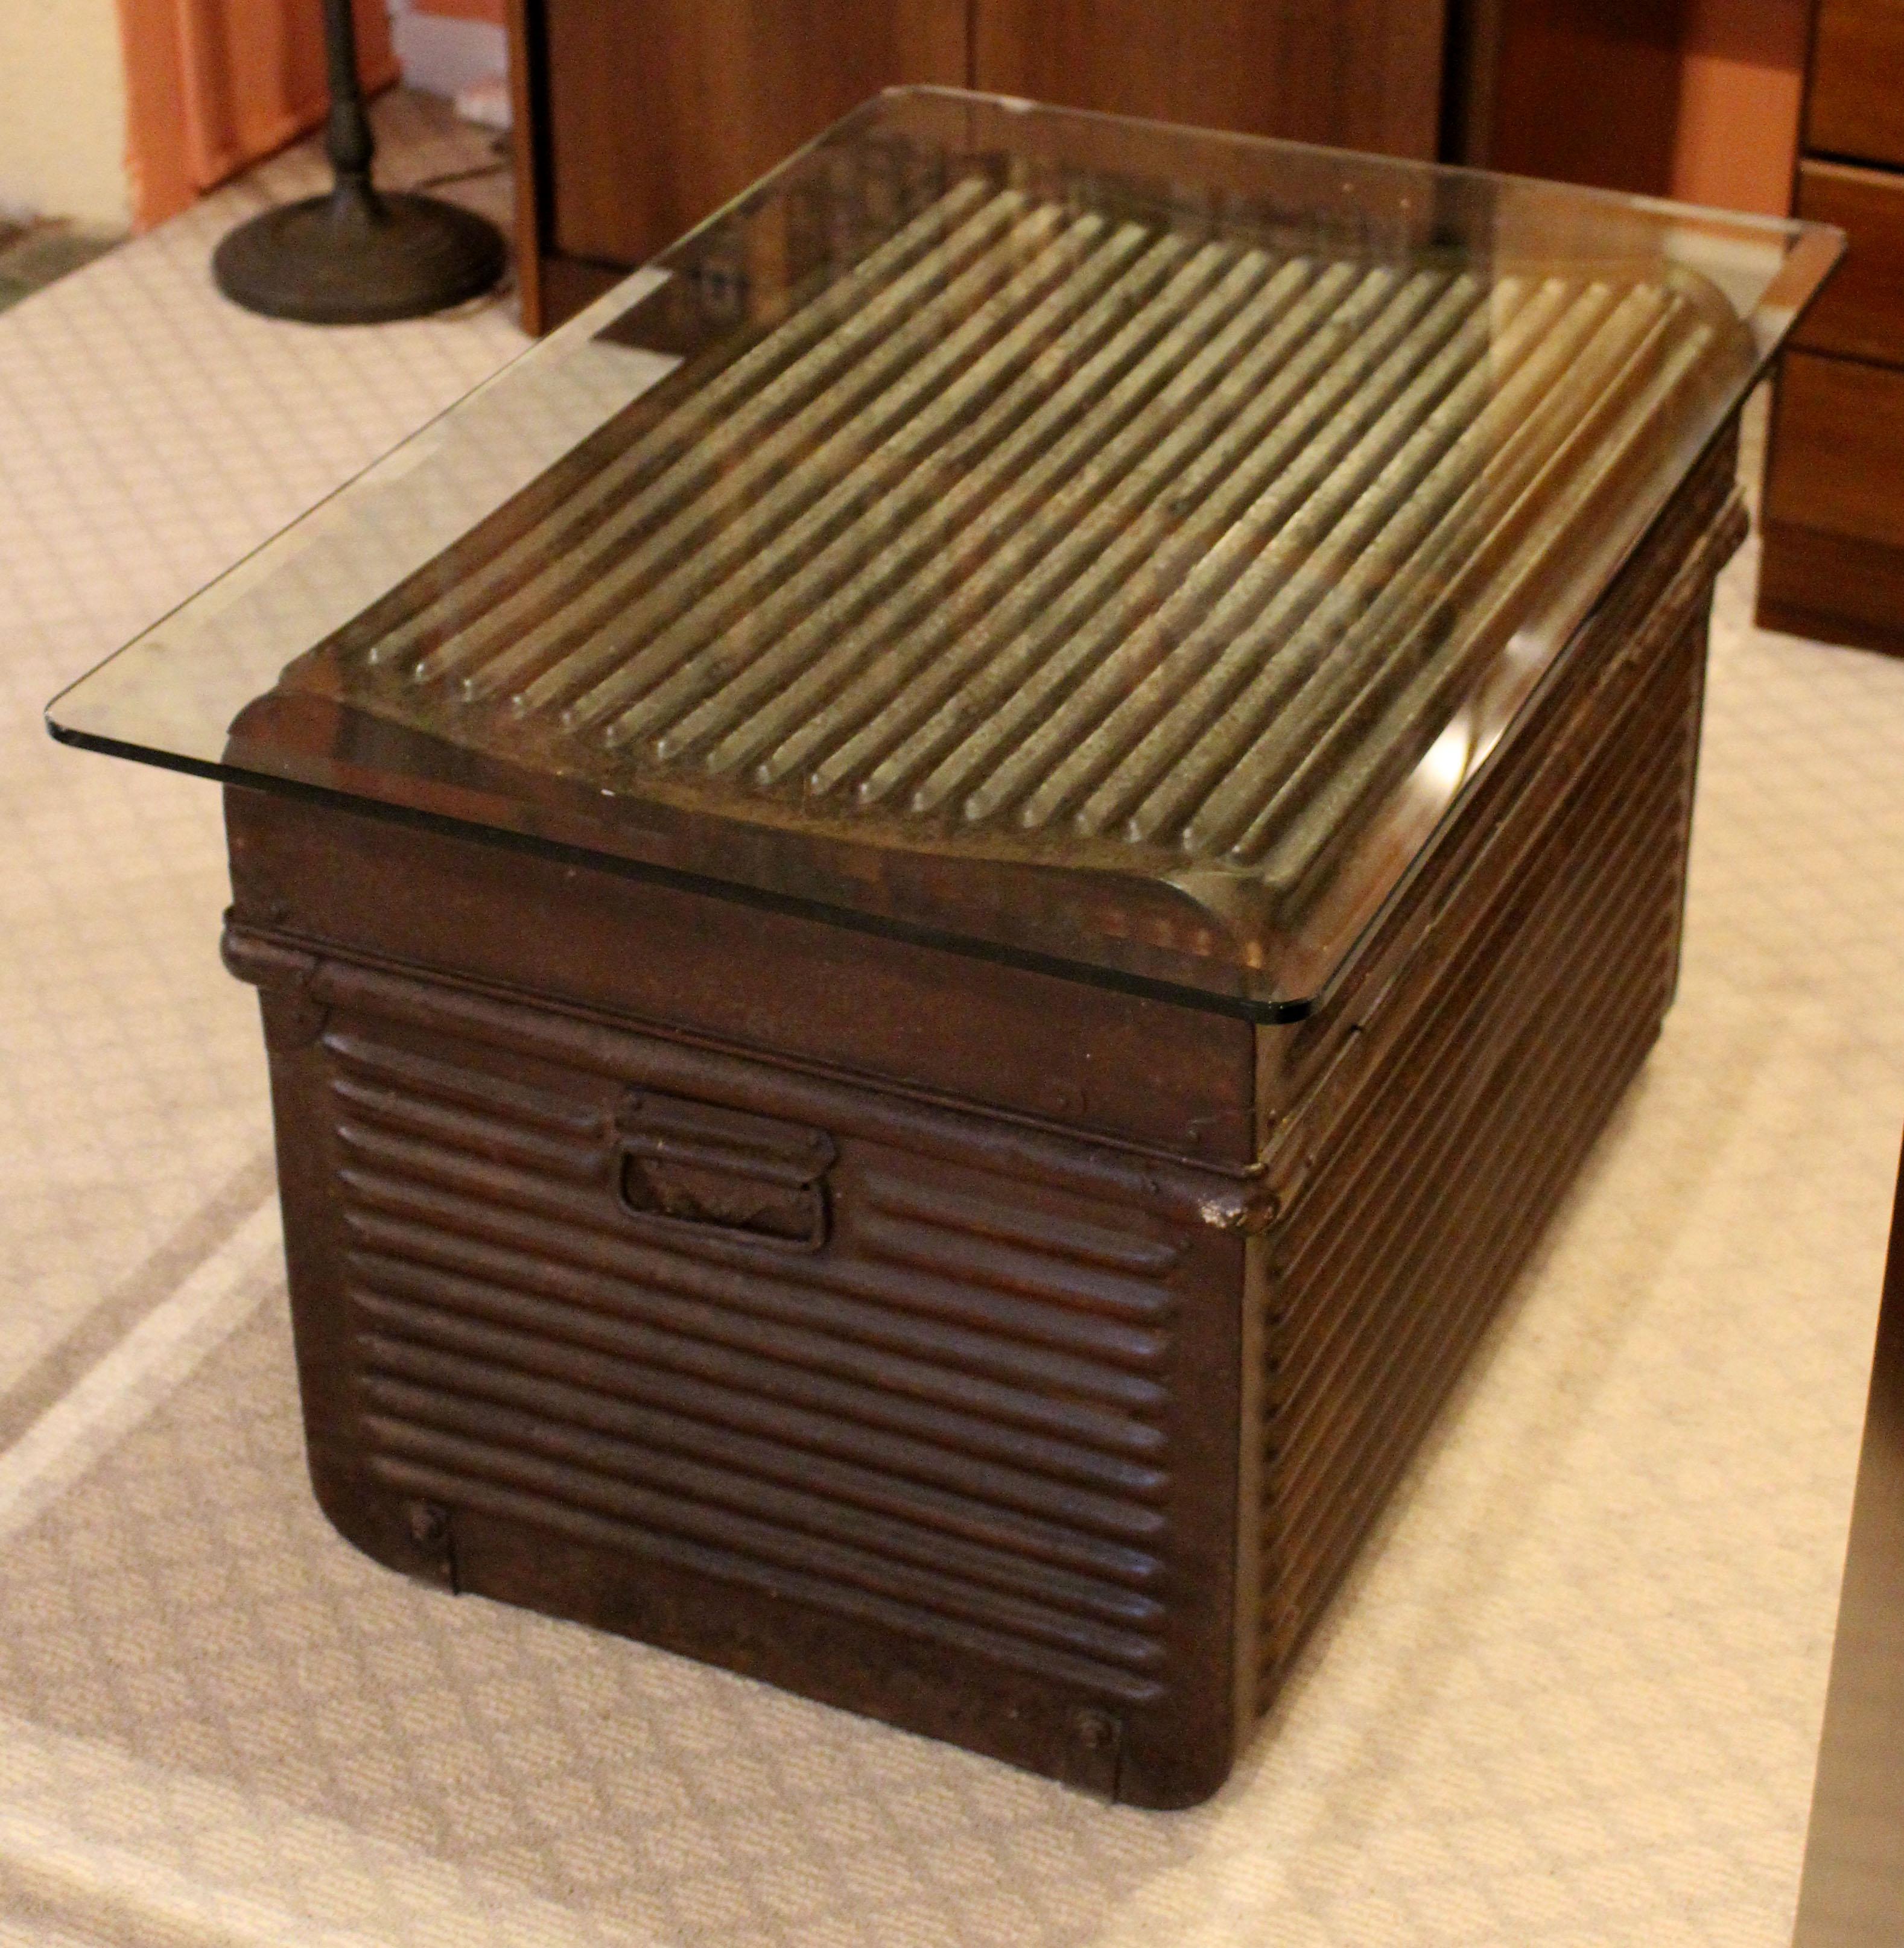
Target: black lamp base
(358, 257)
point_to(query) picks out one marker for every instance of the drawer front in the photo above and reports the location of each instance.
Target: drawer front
(1861, 314)
(1837, 448)
(1856, 104)
(1834, 588)
(871, 1401)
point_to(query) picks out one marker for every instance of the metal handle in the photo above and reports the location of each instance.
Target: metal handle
(692, 1167)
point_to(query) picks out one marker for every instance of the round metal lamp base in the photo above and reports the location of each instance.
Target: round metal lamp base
(357, 257)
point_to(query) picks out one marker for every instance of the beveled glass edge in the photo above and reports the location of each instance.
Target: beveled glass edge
(584, 326)
(1669, 209)
(1820, 248)
(1816, 248)
(1242, 1007)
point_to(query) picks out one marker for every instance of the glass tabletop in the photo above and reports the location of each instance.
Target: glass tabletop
(1107, 545)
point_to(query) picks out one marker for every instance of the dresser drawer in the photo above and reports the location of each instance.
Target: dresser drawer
(1837, 450)
(1861, 314)
(1857, 91)
(1832, 588)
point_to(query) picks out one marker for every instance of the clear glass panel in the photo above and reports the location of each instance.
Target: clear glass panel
(1074, 537)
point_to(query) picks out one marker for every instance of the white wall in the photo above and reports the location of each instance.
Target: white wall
(440, 53)
(63, 111)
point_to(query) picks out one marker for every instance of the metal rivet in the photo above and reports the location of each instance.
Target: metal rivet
(1096, 1731)
(429, 1523)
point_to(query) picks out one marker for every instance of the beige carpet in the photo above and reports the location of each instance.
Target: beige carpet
(1571, 1696)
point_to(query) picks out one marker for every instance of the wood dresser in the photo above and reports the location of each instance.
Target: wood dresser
(1834, 564)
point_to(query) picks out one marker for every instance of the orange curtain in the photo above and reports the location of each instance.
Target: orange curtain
(212, 85)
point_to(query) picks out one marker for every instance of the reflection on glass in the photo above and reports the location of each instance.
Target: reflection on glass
(1074, 536)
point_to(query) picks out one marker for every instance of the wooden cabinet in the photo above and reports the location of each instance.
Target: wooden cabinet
(1833, 564)
(637, 118)
(1579, 91)
(1357, 74)
(661, 112)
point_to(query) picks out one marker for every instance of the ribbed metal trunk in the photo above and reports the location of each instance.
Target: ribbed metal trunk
(1017, 1359)
(1434, 1113)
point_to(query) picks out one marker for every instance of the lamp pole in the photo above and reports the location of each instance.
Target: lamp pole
(356, 255)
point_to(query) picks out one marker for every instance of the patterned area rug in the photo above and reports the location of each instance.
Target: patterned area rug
(1571, 1695)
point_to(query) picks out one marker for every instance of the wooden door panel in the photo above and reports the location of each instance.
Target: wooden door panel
(659, 114)
(1587, 92)
(1359, 74)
